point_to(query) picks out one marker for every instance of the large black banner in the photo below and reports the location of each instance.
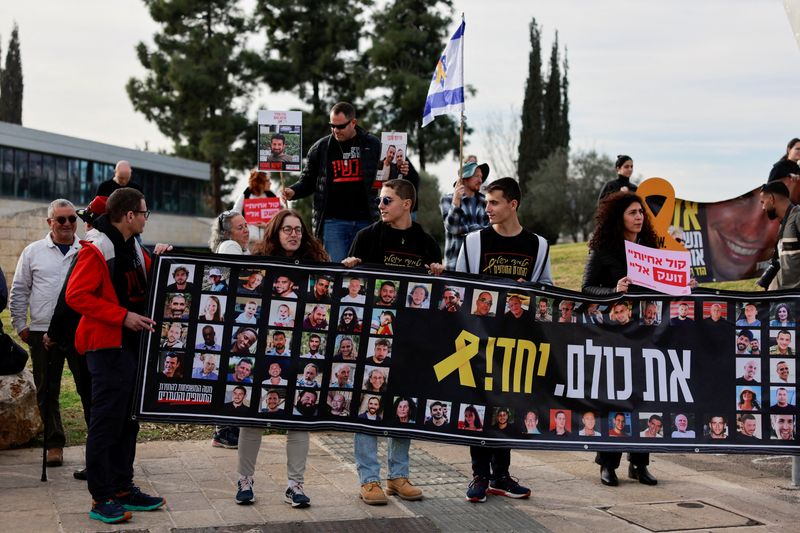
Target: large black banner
(467, 360)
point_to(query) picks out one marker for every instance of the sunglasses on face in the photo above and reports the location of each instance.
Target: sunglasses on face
(63, 220)
(338, 126)
(385, 200)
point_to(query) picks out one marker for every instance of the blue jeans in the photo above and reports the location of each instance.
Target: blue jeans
(338, 235)
(366, 452)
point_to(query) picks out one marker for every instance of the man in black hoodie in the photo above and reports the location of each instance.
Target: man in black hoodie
(340, 173)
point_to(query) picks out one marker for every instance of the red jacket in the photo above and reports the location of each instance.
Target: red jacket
(90, 292)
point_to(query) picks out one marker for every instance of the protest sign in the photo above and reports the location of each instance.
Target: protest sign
(260, 209)
(381, 351)
(280, 140)
(393, 155)
(664, 271)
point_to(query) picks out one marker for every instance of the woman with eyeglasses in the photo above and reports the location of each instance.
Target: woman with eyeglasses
(257, 187)
(624, 168)
(286, 235)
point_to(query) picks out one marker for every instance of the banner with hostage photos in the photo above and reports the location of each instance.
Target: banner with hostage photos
(466, 360)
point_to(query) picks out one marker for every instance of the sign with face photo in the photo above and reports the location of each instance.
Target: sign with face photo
(280, 140)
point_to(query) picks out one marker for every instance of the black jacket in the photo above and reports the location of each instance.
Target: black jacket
(604, 269)
(615, 185)
(314, 178)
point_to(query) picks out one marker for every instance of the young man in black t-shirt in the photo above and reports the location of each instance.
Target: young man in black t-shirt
(396, 241)
(505, 250)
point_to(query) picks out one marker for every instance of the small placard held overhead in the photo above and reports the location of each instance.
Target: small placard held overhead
(280, 140)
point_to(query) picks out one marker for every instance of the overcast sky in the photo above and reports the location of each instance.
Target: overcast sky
(701, 93)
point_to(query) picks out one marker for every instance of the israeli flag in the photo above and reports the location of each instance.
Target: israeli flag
(446, 93)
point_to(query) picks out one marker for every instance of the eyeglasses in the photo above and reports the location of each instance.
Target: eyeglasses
(145, 213)
(288, 230)
(385, 200)
(63, 220)
(338, 126)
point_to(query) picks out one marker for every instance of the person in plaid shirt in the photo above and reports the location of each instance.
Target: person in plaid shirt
(463, 211)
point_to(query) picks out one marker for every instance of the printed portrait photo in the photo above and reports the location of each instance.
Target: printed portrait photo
(382, 322)
(312, 346)
(715, 312)
(503, 420)
(171, 365)
(620, 313)
(650, 312)
(244, 340)
(517, 305)
(484, 303)
(544, 310)
(251, 282)
(748, 371)
(591, 313)
(619, 424)
(471, 416)
(279, 342)
(782, 315)
(273, 400)
(247, 310)
(418, 295)
(305, 402)
(320, 288)
(782, 371)
(177, 305)
(747, 315)
(782, 399)
(560, 422)
(181, 278)
(681, 312)
(590, 425)
(278, 374)
(173, 335)
(216, 279)
(566, 312)
(748, 398)
(530, 423)
(282, 314)
(346, 348)
(351, 318)
(682, 425)
(240, 369)
(376, 379)
(379, 351)
(212, 307)
(781, 342)
(386, 292)
(748, 342)
(209, 337)
(285, 285)
(651, 425)
(342, 375)
(339, 402)
(205, 366)
(404, 409)
(316, 317)
(237, 400)
(311, 376)
(437, 413)
(371, 407)
(782, 427)
(451, 299)
(354, 290)
(715, 427)
(748, 427)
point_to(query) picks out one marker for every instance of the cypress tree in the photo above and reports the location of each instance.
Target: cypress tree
(11, 84)
(552, 110)
(530, 138)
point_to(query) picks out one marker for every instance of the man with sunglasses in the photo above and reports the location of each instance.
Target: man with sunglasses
(395, 241)
(340, 173)
(40, 274)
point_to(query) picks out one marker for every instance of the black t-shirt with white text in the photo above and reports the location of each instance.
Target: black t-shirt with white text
(347, 197)
(381, 244)
(508, 257)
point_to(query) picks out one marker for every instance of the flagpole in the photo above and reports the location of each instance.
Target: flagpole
(461, 132)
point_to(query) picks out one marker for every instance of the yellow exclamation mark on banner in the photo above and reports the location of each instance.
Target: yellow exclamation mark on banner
(489, 381)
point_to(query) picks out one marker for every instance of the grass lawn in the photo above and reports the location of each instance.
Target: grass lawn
(567, 264)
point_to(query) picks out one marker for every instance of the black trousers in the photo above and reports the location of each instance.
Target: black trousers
(111, 442)
(491, 463)
(612, 459)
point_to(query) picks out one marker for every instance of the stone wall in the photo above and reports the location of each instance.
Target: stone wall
(22, 222)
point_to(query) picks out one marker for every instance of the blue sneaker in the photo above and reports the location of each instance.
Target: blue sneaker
(296, 497)
(135, 500)
(508, 486)
(244, 494)
(109, 511)
(476, 492)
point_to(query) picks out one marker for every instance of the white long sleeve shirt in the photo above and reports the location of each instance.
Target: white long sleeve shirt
(40, 274)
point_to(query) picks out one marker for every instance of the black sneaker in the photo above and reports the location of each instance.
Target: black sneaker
(109, 511)
(296, 497)
(226, 437)
(508, 486)
(476, 492)
(136, 500)
(80, 474)
(244, 492)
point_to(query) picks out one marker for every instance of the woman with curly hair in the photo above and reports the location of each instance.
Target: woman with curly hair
(286, 235)
(405, 410)
(348, 322)
(620, 217)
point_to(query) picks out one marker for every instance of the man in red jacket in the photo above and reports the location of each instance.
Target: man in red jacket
(108, 287)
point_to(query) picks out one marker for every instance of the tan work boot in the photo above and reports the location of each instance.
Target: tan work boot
(403, 488)
(373, 494)
(55, 457)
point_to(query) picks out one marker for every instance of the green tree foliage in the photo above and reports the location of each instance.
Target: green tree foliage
(428, 214)
(588, 172)
(312, 49)
(11, 84)
(407, 38)
(544, 142)
(198, 83)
